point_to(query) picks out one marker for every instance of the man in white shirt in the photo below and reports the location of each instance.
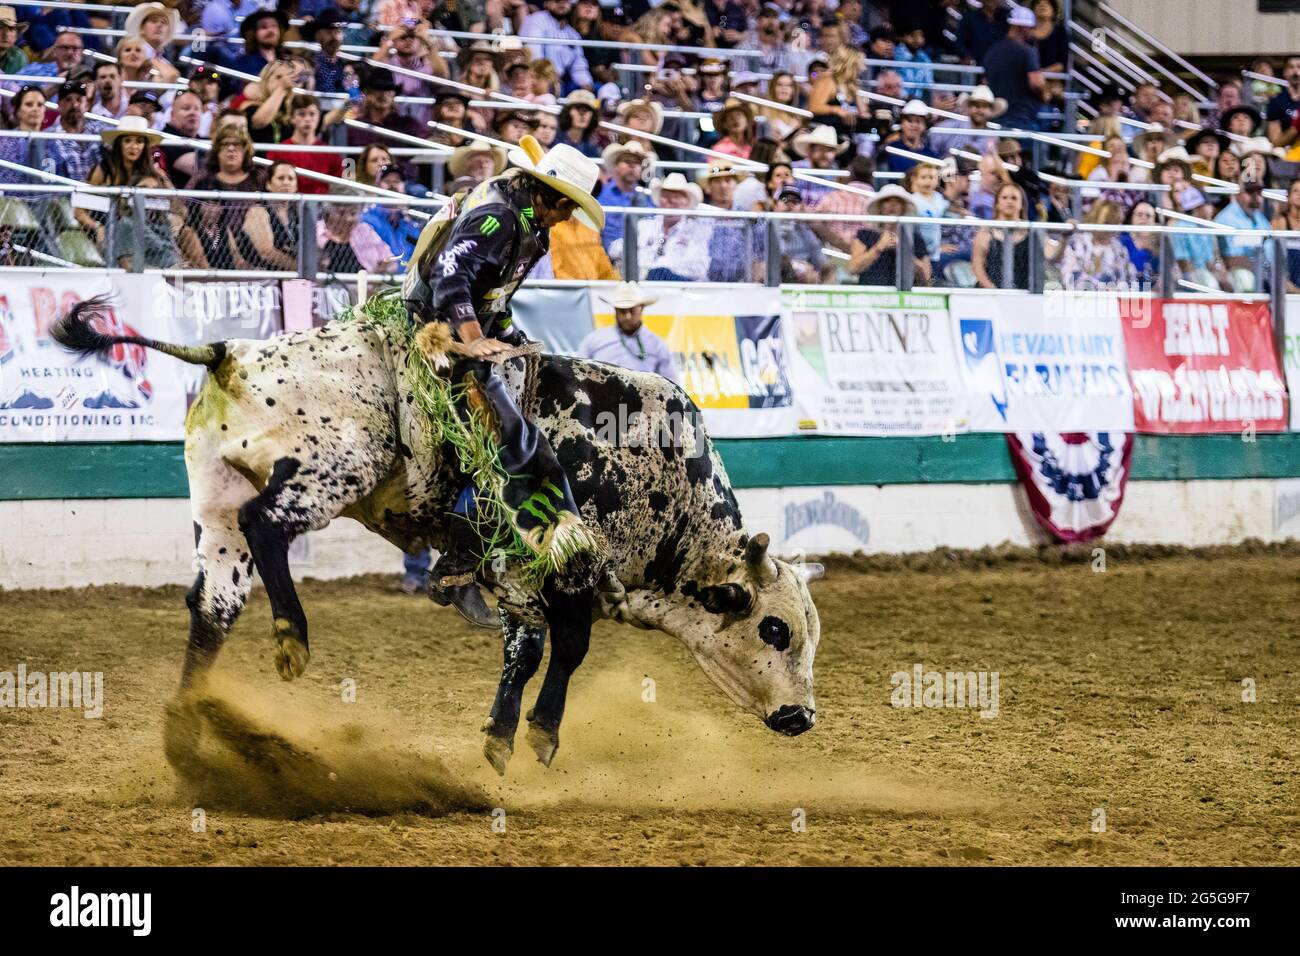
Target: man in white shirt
(110, 98)
(674, 248)
(628, 343)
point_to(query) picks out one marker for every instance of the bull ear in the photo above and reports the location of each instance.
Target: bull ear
(810, 571)
(724, 598)
(761, 568)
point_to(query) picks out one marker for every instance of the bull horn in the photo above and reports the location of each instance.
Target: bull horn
(761, 567)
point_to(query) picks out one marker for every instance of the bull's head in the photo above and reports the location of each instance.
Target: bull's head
(754, 632)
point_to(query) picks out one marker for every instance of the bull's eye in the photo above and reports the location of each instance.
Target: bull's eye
(774, 631)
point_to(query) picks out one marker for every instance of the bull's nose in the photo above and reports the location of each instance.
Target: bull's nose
(791, 719)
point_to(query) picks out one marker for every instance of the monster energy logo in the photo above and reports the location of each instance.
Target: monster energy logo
(489, 225)
(525, 218)
(539, 503)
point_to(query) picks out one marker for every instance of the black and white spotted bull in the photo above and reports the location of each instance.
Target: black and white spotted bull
(289, 433)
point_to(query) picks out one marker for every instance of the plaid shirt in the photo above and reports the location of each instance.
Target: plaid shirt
(73, 158)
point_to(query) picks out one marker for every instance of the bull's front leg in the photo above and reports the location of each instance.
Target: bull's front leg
(523, 647)
(569, 618)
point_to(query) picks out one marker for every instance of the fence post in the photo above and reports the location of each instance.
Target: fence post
(773, 277)
(138, 247)
(631, 271)
(110, 237)
(1167, 265)
(1037, 261)
(903, 264)
(1278, 294)
(308, 254)
(1008, 279)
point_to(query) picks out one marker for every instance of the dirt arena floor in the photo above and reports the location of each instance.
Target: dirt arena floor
(1120, 692)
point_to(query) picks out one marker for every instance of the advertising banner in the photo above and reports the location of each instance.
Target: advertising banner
(1291, 356)
(1205, 366)
(47, 394)
(873, 363)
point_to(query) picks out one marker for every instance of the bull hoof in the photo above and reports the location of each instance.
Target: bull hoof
(181, 733)
(291, 654)
(498, 751)
(544, 743)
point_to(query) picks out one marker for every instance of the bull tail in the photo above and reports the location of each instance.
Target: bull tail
(75, 332)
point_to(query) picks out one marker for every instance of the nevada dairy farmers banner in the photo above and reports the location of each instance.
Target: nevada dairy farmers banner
(49, 395)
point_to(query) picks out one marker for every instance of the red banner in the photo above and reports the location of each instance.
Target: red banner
(1204, 366)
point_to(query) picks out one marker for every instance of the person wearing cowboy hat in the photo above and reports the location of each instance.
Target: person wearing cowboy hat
(156, 23)
(12, 57)
(464, 271)
(628, 343)
(1254, 155)
(732, 249)
(478, 160)
(263, 33)
(912, 136)
(818, 149)
(873, 256)
(1148, 146)
(712, 94)
(378, 107)
(624, 164)
(578, 126)
(1205, 147)
(644, 115)
(327, 32)
(672, 248)
(980, 107)
(511, 125)
(1241, 120)
(1245, 211)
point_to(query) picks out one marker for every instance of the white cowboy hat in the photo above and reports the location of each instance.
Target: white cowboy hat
(135, 20)
(131, 126)
(568, 172)
(645, 106)
(1021, 17)
(915, 108)
(461, 157)
(892, 191)
(820, 136)
(984, 94)
(609, 156)
(582, 98)
(1175, 154)
(1257, 145)
(676, 183)
(628, 295)
(718, 169)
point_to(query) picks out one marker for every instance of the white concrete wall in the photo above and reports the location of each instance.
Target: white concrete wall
(1209, 27)
(52, 544)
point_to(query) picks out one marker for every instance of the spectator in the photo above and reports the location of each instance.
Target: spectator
(912, 136)
(712, 93)
(673, 248)
(873, 257)
(369, 163)
(850, 13)
(74, 159)
(63, 58)
(478, 64)
(1288, 220)
(1196, 253)
(156, 24)
(802, 259)
(731, 241)
(779, 175)
(304, 120)
(229, 168)
(835, 99)
(577, 121)
(1227, 98)
(850, 201)
(988, 254)
(1241, 254)
(393, 223)
(185, 120)
(329, 67)
(166, 241)
(543, 83)
(263, 33)
(125, 157)
(478, 160)
(1228, 168)
(729, 21)
(450, 108)
(880, 43)
(819, 149)
(205, 83)
(1145, 97)
(408, 50)
(138, 66)
(1147, 147)
(519, 80)
(624, 165)
(1096, 261)
(767, 37)
(575, 253)
(916, 79)
(1143, 248)
(1241, 121)
(588, 21)
(1283, 113)
(775, 123)
(736, 123)
(544, 128)
(1262, 91)
(266, 103)
(982, 199)
(550, 23)
(110, 97)
(1205, 147)
(145, 103)
(12, 57)
(628, 343)
(377, 109)
(981, 29)
(980, 107)
(922, 183)
(1049, 36)
(956, 243)
(348, 245)
(1013, 72)
(28, 116)
(644, 116)
(511, 125)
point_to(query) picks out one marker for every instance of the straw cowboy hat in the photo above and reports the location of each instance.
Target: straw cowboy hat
(655, 111)
(135, 19)
(1141, 141)
(1175, 154)
(582, 98)
(461, 157)
(984, 94)
(1258, 145)
(731, 106)
(9, 17)
(568, 172)
(820, 136)
(628, 295)
(609, 157)
(488, 49)
(718, 169)
(131, 126)
(892, 191)
(676, 183)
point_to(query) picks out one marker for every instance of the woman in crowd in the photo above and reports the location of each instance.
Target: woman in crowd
(544, 83)
(133, 60)
(545, 128)
(873, 257)
(125, 156)
(27, 114)
(348, 245)
(1228, 166)
(988, 253)
(1288, 220)
(835, 98)
(373, 158)
(166, 240)
(1097, 261)
(578, 127)
(268, 239)
(586, 17)
(736, 124)
(1049, 36)
(269, 103)
(229, 168)
(779, 124)
(1105, 128)
(1143, 248)
(779, 175)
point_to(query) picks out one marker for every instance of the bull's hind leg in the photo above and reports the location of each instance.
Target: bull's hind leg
(523, 654)
(569, 620)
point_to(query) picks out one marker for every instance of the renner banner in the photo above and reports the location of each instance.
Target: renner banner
(1043, 363)
(1205, 366)
(50, 395)
(873, 363)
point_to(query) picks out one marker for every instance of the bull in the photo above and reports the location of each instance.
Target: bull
(288, 434)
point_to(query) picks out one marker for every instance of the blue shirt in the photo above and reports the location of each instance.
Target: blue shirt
(642, 352)
(1196, 250)
(1236, 217)
(611, 195)
(399, 236)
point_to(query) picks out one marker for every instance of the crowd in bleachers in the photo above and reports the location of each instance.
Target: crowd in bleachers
(847, 108)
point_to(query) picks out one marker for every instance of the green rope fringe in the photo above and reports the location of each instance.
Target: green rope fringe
(476, 450)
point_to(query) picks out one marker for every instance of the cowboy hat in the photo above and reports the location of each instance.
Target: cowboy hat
(984, 94)
(1195, 140)
(1257, 145)
(1175, 154)
(718, 169)
(379, 80)
(328, 19)
(461, 157)
(609, 157)
(135, 19)
(131, 125)
(581, 98)
(892, 191)
(731, 106)
(709, 66)
(1021, 17)
(820, 136)
(745, 78)
(628, 295)
(1225, 120)
(468, 53)
(1141, 140)
(914, 108)
(642, 106)
(676, 183)
(248, 25)
(568, 172)
(9, 17)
